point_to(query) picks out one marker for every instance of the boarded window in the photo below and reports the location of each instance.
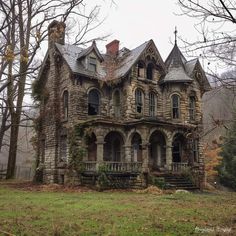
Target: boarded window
(152, 104)
(65, 104)
(139, 100)
(92, 64)
(175, 106)
(192, 107)
(93, 102)
(116, 101)
(63, 148)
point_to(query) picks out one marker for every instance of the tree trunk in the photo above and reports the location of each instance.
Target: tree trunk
(13, 146)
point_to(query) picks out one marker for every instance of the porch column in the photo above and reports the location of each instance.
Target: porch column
(145, 156)
(127, 153)
(100, 150)
(168, 155)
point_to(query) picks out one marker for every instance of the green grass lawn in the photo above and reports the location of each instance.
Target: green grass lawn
(31, 212)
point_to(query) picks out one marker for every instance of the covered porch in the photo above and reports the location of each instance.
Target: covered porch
(116, 152)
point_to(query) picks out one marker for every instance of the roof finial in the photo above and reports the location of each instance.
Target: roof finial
(175, 32)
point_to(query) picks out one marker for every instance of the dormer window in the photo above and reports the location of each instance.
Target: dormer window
(92, 64)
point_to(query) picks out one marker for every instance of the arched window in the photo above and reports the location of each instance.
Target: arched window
(93, 102)
(152, 104)
(116, 103)
(141, 69)
(192, 107)
(150, 71)
(175, 106)
(139, 101)
(65, 104)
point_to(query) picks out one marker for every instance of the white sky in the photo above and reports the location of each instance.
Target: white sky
(134, 22)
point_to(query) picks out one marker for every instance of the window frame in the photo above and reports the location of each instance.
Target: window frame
(65, 104)
(150, 71)
(152, 104)
(192, 108)
(92, 65)
(94, 102)
(175, 109)
(139, 101)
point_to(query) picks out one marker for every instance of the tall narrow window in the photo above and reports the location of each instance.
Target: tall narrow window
(175, 106)
(93, 102)
(150, 71)
(152, 104)
(116, 102)
(139, 101)
(65, 104)
(92, 64)
(141, 69)
(192, 107)
(195, 150)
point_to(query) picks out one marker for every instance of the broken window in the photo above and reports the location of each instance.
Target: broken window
(93, 102)
(175, 106)
(116, 102)
(139, 100)
(152, 104)
(192, 107)
(92, 64)
(150, 71)
(65, 104)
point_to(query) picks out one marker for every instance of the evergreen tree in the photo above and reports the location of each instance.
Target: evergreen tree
(227, 169)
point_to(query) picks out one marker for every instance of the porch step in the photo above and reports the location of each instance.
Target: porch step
(177, 181)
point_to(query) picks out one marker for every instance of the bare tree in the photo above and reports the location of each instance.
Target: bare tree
(24, 28)
(216, 28)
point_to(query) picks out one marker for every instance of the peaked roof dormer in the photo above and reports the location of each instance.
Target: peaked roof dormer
(88, 50)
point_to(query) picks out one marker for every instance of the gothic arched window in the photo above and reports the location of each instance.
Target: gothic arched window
(93, 102)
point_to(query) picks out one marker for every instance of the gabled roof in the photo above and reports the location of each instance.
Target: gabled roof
(127, 60)
(71, 53)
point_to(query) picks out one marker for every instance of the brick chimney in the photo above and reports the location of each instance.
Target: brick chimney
(56, 32)
(113, 48)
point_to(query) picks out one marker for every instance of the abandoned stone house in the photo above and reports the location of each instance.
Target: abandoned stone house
(140, 113)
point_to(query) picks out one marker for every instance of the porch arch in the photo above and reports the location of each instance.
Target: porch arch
(157, 150)
(113, 147)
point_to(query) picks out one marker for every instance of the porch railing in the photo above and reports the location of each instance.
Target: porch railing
(179, 166)
(110, 166)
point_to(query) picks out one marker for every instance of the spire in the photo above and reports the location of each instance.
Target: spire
(175, 32)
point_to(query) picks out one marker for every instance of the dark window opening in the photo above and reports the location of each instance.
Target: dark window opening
(93, 102)
(175, 107)
(192, 108)
(176, 151)
(195, 151)
(150, 71)
(139, 101)
(152, 104)
(65, 104)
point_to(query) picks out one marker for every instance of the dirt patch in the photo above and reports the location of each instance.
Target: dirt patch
(30, 186)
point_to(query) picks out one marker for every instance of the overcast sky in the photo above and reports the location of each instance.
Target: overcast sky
(134, 22)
